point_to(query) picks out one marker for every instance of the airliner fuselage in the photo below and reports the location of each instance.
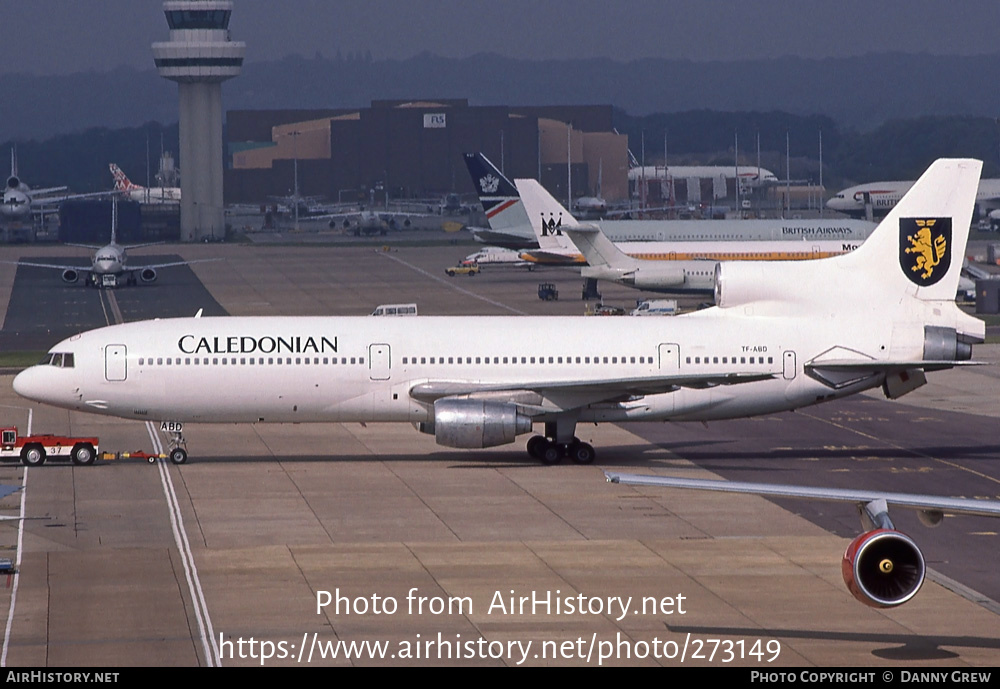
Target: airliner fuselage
(365, 369)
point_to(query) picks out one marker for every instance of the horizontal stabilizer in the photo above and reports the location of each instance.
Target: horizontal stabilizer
(597, 249)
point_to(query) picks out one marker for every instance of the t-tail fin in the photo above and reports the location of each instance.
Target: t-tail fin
(547, 216)
(499, 197)
(925, 235)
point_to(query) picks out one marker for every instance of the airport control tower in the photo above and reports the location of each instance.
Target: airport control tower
(199, 56)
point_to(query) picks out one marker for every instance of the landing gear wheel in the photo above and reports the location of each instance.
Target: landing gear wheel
(178, 455)
(552, 455)
(581, 453)
(83, 454)
(536, 446)
(33, 456)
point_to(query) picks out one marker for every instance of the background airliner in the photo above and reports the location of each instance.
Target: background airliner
(21, 203)
(109, 266)
(509, 225)
(136, 192)
(662, 266)
(878, 198)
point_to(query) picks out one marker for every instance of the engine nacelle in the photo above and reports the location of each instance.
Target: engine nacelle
(147, 275)
(883, 568)
(643, 277)
(70, 275)
(942, 344)
(741, 282)
(469, 423)
(13, 182)
(655, 278)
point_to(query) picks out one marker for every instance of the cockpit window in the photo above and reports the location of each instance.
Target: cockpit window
(58, 359)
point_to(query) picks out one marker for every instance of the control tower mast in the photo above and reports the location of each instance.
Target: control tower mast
(199, 56)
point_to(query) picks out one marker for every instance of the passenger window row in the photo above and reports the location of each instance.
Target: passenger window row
(526, 360)
(249, 361)
(728, 360)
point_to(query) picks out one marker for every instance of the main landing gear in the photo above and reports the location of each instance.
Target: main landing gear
(558, 443)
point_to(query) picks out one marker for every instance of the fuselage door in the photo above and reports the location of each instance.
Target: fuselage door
(670, 357)
(378, 361)
(114, 362)
(788, 365)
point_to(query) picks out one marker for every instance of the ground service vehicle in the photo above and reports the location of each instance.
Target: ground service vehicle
(547, 291)
(34, 449)
(469, 270)
(656, 307)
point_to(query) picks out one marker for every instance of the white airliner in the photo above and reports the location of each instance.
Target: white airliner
(879, 316)
(882, 567)
(878, 198)
(142, 194)
(509, 225)
(110, 267)
(749, 175)
(668, 266)
(498, 256)
(21, 202)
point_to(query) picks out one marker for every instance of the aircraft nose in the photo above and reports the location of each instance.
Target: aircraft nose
(28, 385)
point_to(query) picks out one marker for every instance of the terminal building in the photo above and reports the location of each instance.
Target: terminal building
(413, 150)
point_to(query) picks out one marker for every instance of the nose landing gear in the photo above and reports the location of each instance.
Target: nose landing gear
(177, 445)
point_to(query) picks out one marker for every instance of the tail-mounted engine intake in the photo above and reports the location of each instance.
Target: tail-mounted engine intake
(741, 282)
(942, 344)
(655, 277)
(883, 568)
(466, 423)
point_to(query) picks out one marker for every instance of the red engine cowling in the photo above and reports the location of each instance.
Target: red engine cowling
(883, 568)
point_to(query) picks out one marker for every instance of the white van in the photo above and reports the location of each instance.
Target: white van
(656, 307)
(395, 310)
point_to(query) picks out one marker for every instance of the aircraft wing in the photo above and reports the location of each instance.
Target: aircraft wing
(506, 240)
(887, 366)
(566, 395)
(552, 257)
(925, 503)
(82, 269)
(171, 264)
(55, 200)
(47, 190)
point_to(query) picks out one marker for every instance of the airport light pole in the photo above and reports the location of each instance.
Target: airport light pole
(295, 174)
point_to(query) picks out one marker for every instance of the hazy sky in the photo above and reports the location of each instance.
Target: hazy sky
(65, 36)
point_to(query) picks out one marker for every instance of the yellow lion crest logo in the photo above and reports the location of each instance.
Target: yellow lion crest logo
(929, 252)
